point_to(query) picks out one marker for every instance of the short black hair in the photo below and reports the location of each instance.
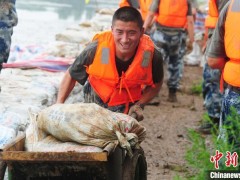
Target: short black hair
(127, 14)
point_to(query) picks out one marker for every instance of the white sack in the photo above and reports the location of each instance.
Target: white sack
(6, 136)
(51, 144)
(194, 58)
(90, 124)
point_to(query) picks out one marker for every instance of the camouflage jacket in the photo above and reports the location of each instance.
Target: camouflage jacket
(8, 14)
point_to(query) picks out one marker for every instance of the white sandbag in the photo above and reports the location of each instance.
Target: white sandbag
(51, 144)
(12, 120)
(75, 36)
(106, 11)
(194, 58)
(18, 112)
(130, 125)
(38, 141)
(33, 133)
(64, 49)
(102, 22)
(90, 124)
(6, 136)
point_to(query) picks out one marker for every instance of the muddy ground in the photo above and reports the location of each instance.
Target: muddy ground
(167, 124)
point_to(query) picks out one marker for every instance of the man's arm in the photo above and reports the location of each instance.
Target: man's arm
(148, 22)
(216, 63)
(151, 15)
(149, 93)
(190, 28)
(157, 74)
(77, 72)
(66, 87)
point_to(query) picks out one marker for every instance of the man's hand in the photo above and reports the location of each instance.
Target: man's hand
(136, 111)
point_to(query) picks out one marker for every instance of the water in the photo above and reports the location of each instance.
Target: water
(40, 20)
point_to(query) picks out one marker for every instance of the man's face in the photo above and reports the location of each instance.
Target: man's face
(126, 36)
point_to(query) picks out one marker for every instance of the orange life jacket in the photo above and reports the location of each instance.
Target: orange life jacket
(124, 3)
(144, 6)
(212, 17)
(231, 72)
(103, 74)
(173, 13)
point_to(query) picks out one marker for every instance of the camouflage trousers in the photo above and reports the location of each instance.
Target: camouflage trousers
(231, 100)
(173, 47)
(211, 92)
(183, 50)
(5, 43)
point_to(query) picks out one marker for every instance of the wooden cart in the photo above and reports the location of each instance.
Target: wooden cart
(23, 165)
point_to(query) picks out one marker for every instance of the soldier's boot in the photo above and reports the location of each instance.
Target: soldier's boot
(172, 96)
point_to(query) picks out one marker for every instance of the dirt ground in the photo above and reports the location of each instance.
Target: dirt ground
(166, 142)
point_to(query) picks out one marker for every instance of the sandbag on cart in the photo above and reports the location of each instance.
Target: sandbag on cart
(91, 124)
(84, 125)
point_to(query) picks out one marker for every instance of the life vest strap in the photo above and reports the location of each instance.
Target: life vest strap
(122, 82)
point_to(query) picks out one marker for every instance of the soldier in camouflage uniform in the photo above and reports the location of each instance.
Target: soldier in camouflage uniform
(210, 87)
(8, 19)
(223, 53)
(170, 39)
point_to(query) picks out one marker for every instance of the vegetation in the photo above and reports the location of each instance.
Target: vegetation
(197, 88)
(199, 154)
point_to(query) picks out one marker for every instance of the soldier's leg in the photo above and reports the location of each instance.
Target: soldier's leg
(160, 39)
(230, 115)
(5, 43)
(212, 97)
(183, 50)
(174, 66)
(211, 92)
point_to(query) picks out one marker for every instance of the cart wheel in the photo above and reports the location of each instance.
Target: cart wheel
(135, 168)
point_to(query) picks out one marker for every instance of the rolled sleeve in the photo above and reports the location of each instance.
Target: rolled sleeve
(78, 69)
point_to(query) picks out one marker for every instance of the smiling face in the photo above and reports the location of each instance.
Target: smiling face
(126, 37)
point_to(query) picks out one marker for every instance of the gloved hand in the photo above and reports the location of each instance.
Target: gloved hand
(136, 111)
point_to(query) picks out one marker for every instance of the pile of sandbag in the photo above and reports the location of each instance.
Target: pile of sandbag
(86, 124)
(24, 89)
(84, 32)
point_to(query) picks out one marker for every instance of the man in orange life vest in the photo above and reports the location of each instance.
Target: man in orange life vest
(171, 18)
(120, 69)
(142, 5)
(224, 54)
(211, 77)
